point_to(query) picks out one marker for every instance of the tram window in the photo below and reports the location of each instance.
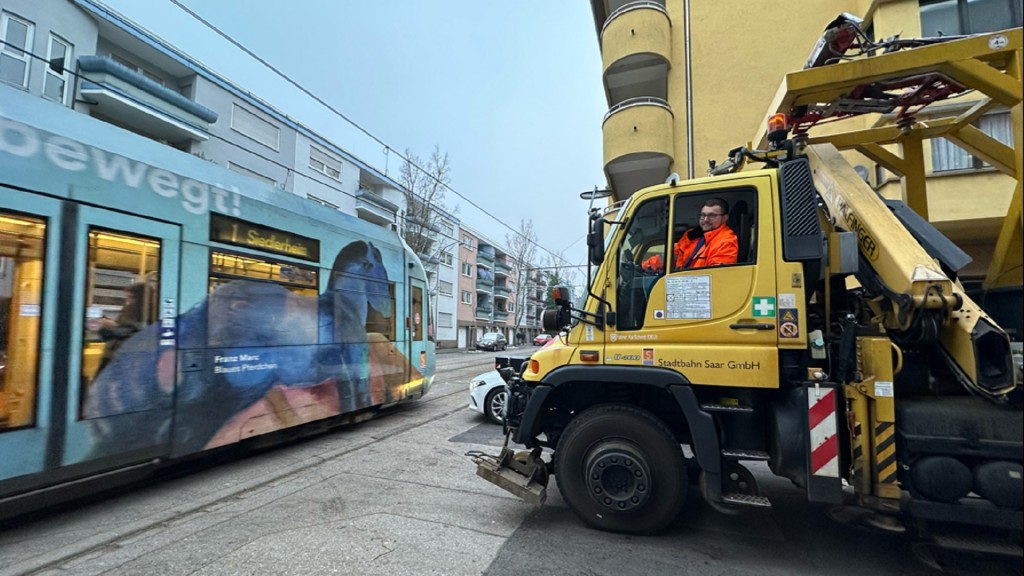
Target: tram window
(122, 292)
(417, 313)
(21, 287)
(249, 294)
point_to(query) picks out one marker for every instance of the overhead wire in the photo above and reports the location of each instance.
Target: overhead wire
(289, 170)
(350, 121)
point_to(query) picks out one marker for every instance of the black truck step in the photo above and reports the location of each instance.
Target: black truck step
(735, 454)
(746, 500)
(727, 408)
(971, 543)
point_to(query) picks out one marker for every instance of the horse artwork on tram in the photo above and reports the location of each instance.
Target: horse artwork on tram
(256, 335)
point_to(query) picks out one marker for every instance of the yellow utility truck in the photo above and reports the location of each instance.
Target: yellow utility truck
(839, 347)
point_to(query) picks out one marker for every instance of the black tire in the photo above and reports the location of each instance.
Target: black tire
(496, 398)
(620, 469)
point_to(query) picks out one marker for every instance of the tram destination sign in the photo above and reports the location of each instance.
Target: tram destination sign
(241, 233)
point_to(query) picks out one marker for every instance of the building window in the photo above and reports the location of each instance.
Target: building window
(323, 202)
(448, 229)
(55, 86)
(17, 43)
(251, 173)
(444, 320)
(444, 288)
(953, 17)
(322, 162)
(446, 258)
(467, 242)
(467, 297)
(467, 269)
(947, 156)
(137, 69)
(251, 125)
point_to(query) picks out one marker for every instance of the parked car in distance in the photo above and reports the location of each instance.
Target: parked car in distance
(492, 341)
(542, 339)
(487, 395)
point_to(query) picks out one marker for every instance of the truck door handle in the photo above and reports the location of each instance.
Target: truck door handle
(758, 326)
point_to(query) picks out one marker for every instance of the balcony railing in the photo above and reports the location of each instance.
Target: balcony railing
(638, 101)
(637, 5)
(372, 207)
(142, 104)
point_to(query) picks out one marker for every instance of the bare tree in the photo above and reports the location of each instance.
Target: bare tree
(522, 248)
(425, 184)
(558, 273)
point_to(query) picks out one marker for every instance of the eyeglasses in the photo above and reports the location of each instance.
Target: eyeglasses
(710, 215)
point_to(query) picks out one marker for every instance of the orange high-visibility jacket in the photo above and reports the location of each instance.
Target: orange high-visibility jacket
(720, 246)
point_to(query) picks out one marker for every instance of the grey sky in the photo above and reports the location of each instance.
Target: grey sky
(511, 91)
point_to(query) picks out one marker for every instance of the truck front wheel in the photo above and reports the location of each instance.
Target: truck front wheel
(620, 469)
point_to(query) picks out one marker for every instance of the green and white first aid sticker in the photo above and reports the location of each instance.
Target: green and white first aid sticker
(764, 306)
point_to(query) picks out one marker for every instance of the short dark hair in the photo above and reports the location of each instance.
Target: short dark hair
(720, 203)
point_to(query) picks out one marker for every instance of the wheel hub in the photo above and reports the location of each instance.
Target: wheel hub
(617, 477)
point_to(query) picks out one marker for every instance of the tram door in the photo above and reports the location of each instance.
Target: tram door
(121, 336)
(418, 324)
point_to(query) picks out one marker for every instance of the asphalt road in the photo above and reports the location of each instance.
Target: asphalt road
(397, 495)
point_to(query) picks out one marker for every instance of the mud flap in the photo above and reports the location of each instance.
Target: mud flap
(523, 474)
(824, 482)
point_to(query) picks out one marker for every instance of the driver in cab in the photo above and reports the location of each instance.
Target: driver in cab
(713, 244)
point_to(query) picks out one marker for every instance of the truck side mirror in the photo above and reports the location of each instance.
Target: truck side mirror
(595, 241)
(555, 321)
(558, 319)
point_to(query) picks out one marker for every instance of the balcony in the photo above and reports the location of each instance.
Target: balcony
(372, 207)
(484, 285)
(500, 316)
(502, 292)
(484, 313)
(502, 269)
(636, 48)
(485, 255)
(133, 100)
(638, 148)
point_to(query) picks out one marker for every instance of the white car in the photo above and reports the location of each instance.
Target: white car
(487, 395)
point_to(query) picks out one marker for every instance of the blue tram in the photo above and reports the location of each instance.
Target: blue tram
(154, 306)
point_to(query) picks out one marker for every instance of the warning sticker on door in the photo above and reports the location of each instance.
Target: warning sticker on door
(789, 330)
(789, 323)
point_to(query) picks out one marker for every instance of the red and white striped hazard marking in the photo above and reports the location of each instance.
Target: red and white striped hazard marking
(821, 419)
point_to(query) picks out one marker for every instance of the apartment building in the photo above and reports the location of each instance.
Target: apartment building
(441, 262)
(493, 287)
(686, 81)
(85, 56)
